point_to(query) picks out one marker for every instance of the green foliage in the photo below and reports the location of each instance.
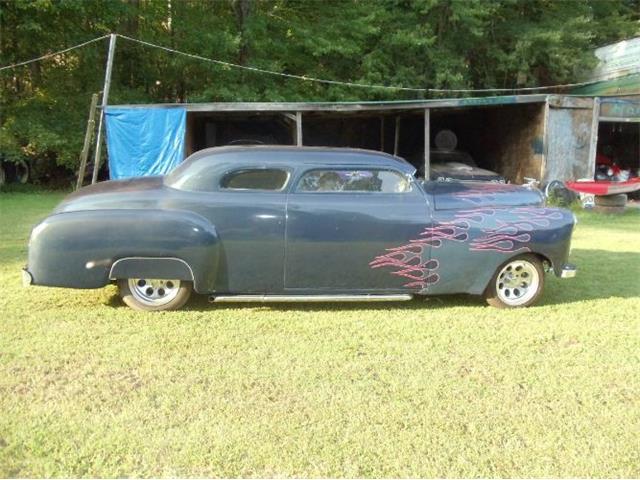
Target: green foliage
(421, 43)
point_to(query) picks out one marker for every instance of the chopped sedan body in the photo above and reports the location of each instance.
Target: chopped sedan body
(300, 223)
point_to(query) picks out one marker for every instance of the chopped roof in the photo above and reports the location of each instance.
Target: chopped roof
(324, 155)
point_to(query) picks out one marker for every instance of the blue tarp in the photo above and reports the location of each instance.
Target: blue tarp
(144, 141)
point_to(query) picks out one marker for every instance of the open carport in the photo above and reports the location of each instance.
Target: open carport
(545, 137)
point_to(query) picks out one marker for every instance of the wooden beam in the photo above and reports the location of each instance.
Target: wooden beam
(396, 140)
(299, 129)
(593, 144)
(105, 101)
(88, 136)
(347, 107)
(427, 144)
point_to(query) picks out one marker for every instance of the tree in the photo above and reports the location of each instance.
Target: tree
(414, 43)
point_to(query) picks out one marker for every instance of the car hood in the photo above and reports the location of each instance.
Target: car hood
(130, 193)
(462, 171)
(465, 195)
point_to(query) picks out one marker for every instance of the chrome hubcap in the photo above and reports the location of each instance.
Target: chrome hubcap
(154, 292)
(517, 282)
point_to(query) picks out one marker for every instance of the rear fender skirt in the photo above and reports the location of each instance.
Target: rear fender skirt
(151, 267)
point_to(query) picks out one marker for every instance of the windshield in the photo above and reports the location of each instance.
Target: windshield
(446, 157)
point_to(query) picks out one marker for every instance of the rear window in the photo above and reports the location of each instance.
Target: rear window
(348, 181)
(255, 179)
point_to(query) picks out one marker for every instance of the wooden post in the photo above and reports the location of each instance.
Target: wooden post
(396, 140)
(593, 144)
(88, 136)
(427, 144)
(299, 129)
(382, 134)
(105, 99)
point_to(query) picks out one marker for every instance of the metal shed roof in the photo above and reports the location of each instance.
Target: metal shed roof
(373, 106)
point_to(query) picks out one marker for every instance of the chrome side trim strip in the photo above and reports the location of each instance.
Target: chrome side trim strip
(311, 298)
(111, 277)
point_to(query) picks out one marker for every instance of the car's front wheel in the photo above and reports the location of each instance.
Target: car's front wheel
(517, 283)
(150, 295)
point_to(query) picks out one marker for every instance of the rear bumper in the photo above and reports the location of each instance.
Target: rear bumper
(568, 271)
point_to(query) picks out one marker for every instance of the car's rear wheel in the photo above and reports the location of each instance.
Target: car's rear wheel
(517, 283)
(149, 294)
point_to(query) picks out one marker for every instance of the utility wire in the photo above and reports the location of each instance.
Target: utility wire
(269, 72)
(304, 77)
(354, 84)
(49, 55)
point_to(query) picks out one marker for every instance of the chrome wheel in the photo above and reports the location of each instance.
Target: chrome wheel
(152, 292)
(517, 283)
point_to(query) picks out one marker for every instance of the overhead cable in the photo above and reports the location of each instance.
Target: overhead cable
(49, 55)
(353, 84)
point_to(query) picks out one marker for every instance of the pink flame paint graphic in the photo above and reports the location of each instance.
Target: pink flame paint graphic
(506, 238)
(481, 193)
(412, 261)
(478, 215)
(541, 217)
(512, 236)
(434, 236)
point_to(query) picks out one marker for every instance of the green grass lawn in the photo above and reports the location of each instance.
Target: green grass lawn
(446, 387)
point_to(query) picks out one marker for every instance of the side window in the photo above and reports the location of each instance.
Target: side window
(255, 179)
(361, 180)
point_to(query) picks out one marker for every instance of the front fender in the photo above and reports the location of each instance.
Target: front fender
(78, 249)
(487, 237)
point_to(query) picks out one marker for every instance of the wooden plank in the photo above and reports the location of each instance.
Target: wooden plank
(427, 143)
(563, 101)
(105, 100)
(568, 137)
(88, 136)
(593, 144)
(545, 149)
(299, 129)
(396, 139)
(345, 106)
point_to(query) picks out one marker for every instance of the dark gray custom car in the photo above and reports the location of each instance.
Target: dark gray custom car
(299, 223)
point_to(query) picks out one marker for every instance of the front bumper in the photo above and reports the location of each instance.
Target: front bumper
(568, 271)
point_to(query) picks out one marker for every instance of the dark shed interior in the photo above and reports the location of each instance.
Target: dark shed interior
(508, 139)
(620, 142)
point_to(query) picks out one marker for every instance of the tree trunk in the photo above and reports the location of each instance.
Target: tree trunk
(242, 10)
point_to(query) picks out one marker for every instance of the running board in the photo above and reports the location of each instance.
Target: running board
(310, 298)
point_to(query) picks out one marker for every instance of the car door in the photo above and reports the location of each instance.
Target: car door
(247, 208)
(341, 225)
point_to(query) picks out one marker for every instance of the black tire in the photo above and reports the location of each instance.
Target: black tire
(609, 210)
(557, 192)
(132, 300)
(618, 200)
(498, 300)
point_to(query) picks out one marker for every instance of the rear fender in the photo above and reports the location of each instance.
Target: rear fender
(79, 249)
